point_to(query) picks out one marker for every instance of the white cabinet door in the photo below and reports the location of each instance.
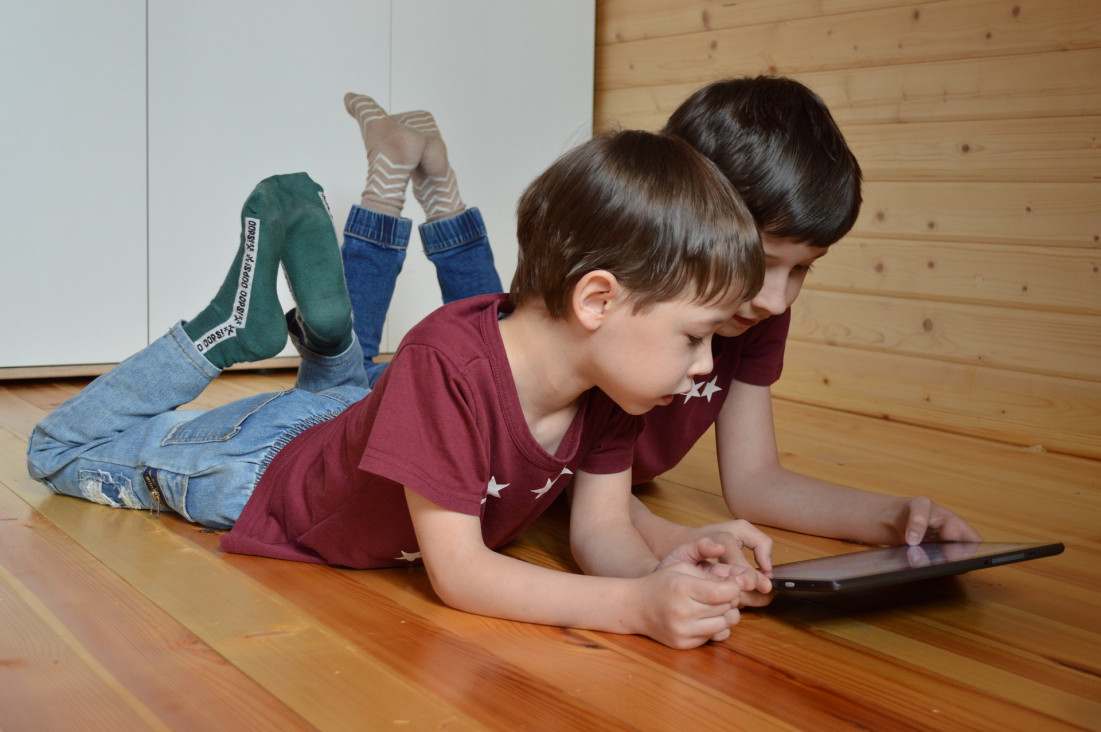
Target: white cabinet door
(72, 182)
(239, 91)
(510, 83)
(133, 134)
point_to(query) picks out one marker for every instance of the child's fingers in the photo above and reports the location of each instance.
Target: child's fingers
(700, 551)
(730, 619)
(917, 523)
(760, 544)
(757, 598)
(704, 590)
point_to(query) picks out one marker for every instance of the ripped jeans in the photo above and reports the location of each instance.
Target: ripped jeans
(122, 441)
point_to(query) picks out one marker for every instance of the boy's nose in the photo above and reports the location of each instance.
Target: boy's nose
(773, 296)
(705, 363)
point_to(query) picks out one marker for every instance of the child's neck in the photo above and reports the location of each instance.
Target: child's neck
(541, 357)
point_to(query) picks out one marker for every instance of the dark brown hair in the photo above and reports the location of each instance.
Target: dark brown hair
(777, 143)
(647, 208)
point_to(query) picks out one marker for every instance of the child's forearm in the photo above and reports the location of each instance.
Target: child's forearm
(502, 587)
(603, 537)
(469, 576)
(679, 606)
(682, 607)
(661, 535)
(789, 500)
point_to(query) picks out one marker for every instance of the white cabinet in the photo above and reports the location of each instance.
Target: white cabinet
(132, 135)
(72, 181)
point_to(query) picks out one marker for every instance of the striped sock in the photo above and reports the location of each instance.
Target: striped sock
(393, 151)
(434, 183)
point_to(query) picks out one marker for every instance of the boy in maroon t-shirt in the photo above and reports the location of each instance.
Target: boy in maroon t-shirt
(636, 250)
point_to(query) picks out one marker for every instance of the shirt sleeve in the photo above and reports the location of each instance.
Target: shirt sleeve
(428, 434)
(762, 357)
(613, 450)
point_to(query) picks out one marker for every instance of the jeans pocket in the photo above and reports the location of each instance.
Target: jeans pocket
(219, 424)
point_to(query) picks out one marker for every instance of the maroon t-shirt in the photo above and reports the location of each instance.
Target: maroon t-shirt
(444, 420)
(755, 357)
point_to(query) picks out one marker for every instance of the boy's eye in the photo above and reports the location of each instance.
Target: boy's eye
(804, 268)
(695, 340)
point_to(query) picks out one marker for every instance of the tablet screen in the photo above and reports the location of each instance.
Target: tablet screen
(894, 564)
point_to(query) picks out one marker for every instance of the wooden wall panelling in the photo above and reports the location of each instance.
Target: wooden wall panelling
(633, 20)
(1055, 149)
(1026, 213)
(967, 296)
(1051, 84)
(938, 31)
(1051, 344)
(1056, 413)
(1024, 501)
(1049, 278)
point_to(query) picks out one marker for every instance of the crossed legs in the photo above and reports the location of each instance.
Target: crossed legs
(405, 148)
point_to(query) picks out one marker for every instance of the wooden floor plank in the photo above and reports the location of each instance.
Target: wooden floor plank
(548, 671)
(116, 607)
(42, 663)
(289, 654)
(133, 644)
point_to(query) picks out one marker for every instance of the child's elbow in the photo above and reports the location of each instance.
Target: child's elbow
(452, 589)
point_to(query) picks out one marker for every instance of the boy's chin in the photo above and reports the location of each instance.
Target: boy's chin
(636, 410)
(733, 328)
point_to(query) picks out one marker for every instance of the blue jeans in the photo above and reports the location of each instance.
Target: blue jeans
(374, 251)
(121, 440)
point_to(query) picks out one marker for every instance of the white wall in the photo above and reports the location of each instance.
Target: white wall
(134, 134)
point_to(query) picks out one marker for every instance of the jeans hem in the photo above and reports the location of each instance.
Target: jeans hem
(452, 232)
(389, 232)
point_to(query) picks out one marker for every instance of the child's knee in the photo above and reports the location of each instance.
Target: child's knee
(50, 462)
(42, 455)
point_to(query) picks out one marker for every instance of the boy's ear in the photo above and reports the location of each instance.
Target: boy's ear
(592, 296)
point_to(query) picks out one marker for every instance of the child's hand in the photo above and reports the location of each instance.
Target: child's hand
(707, 553)
(734, 536)
(923, 520)
(683, 606)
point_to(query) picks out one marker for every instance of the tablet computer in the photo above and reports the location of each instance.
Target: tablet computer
(894, 564)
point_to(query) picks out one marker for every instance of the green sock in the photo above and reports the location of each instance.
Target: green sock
(244, 322)
(312, 263)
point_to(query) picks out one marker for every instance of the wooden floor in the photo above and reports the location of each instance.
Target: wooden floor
(120, 620)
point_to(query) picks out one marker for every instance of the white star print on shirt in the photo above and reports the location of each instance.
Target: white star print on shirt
(494, 488)
(708, 389)
(409, 556)
(540, 492)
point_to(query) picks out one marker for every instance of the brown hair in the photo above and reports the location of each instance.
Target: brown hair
(777, 143)
(647, 208)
